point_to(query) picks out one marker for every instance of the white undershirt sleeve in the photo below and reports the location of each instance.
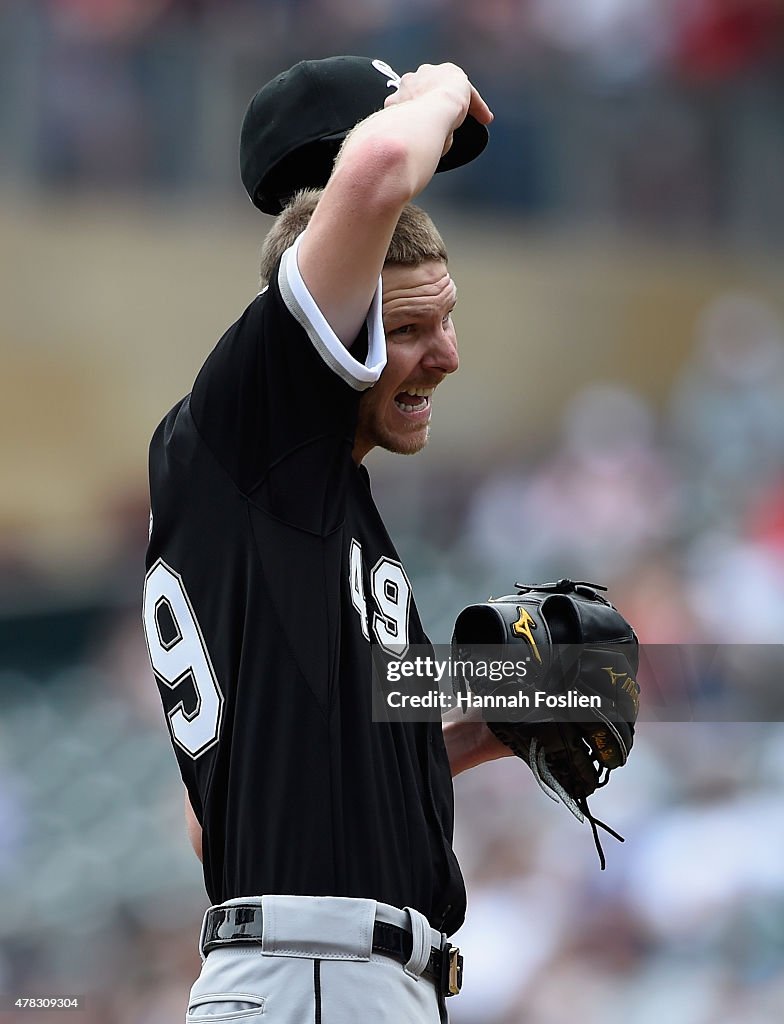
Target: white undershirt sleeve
(338, 358)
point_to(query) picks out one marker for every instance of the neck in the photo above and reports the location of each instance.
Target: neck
(360, 450)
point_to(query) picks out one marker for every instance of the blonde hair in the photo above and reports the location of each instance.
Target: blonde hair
(416, 238)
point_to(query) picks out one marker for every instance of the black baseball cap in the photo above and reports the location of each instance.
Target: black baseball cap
(295, 124)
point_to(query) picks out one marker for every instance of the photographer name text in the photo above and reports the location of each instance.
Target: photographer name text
(538, 699)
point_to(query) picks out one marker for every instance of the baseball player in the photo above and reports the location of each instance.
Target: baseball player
(326, 839)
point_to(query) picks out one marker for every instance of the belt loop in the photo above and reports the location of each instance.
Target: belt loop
(420, 946)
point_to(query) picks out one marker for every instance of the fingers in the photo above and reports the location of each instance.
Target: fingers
(478, 108)
(394, 98)
(447, 77)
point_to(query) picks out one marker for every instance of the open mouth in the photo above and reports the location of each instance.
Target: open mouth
(414, 402)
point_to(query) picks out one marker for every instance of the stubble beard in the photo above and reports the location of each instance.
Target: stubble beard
(401, 444)
(371, 426)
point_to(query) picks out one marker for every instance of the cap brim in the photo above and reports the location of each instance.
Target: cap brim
(468, 142)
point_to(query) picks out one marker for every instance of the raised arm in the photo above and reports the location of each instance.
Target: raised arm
(385, 161)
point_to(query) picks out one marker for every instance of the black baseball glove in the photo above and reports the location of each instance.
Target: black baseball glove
(569, 713)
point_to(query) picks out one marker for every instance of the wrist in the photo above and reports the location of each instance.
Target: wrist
(470, 743)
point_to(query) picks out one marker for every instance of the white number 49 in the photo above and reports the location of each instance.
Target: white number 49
(392, 595)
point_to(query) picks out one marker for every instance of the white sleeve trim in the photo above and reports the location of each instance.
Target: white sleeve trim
(301, 305)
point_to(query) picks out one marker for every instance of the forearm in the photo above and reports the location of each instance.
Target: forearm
(193, 827)
(470, 743)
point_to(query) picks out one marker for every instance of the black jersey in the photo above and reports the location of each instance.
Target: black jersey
(270, 574)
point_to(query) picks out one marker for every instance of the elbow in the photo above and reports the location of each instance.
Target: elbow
(380, 170)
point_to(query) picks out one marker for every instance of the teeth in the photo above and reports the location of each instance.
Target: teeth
(411, 408)
(415, 393)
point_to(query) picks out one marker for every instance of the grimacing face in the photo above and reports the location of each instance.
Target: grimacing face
(417, 304)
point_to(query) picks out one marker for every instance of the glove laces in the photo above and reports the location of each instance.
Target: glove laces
(578, 806)
(594, 822)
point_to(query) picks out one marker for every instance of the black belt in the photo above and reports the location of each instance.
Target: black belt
(241, 924)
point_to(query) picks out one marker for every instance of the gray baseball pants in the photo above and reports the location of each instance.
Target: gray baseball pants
(315, 965)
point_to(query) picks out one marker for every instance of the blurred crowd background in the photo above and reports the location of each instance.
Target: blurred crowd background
(619, 417)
